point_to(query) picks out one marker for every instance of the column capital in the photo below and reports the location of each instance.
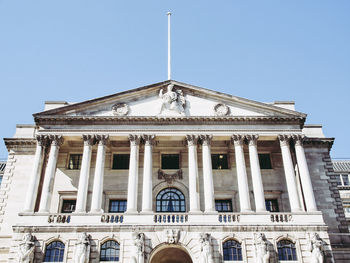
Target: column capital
(252, 139)
(298, 139)
(42, 140)
(56, 140)
(89, 139)
(148, 139)
(237, 139)
(284, 139)
(134, 139)
(102, 139)
(192, 140)
(206, 139)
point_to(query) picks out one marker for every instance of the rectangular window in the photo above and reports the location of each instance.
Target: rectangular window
(170, 161)
(75, 161)
(0, 179)
(265, 161)
(223, 205)
(117, 206)
(345, 178)
(338, 180)
(219, 161)
(272, 205)
(121, 161)
(68, 206)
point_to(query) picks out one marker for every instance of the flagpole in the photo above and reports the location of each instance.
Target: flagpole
(169, 56)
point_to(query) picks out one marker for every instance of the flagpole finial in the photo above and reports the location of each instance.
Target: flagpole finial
(169, 55)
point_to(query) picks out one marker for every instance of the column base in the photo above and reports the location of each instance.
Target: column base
(80, 212)
(147, 212)
(96, 211)
(195, 212)
(297, 210)
(131, 212)
(211, 212)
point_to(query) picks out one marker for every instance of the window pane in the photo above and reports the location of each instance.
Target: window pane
(75, 161)
(121, 161)
(265, 161)
(170, 200)
(68, 206)
(223, 205)
(54, 252)
(117, 206)
(219, 161)
(345, 179)
(286, 250)
(109, 251)
(232, 250)
(272, 205)
(170, 161)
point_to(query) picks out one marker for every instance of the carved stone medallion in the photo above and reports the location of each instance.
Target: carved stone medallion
(221, 109)
(120, 109)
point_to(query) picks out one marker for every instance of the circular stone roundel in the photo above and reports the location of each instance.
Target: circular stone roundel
(120, 109)
(221, 109)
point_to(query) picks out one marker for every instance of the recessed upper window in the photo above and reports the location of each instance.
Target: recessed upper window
(272, 205)
(121, 161)
(68, 206)
(75, 161)
(223, 205)
(219, 161)
(265, 161)
(170, 200)
(117, 206)
(170, 161)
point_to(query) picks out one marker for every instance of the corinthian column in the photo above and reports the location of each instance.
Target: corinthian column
(56, 142)
(89, 141)
(304, 174)
(147, 174)
(32, 190)
(97, 191)
(193, 173)
(256, 173)
(133, 174)
(294, 199)
(242, 179)
(207, 174)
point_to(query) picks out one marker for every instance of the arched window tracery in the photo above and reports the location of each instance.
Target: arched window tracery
(232, 250)
(109, 251)
(170, 200)
(54, 252)
(286, 250)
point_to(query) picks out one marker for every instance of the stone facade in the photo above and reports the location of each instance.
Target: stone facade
(69, 160)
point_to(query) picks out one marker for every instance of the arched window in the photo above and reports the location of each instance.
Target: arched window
(54, 252)
(232, 250)
(109, 251)
(286, 250)
(171, 200)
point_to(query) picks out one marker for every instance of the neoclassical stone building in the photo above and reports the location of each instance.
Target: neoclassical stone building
(171, 172)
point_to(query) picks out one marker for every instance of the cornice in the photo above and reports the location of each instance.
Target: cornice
(12, 143)
(147, 120)
(322, 142)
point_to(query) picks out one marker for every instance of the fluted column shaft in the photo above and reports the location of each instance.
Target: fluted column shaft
(32, 190)
(304, 174)
(193, 173)
(294, 199)
(209, 202)
(147, 174)
(133, 174)
(89, 141)
(97, 191)
(256, 173)
(242, 179)
(56, 142)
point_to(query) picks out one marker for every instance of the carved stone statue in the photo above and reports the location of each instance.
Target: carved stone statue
(206, 255)
(173, 101)
(26, 249)
(316, 249)
(171, 236)
(262, 253)
(82, 249)
(138, 253)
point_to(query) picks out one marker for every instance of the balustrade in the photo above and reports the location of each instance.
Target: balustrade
(228, 218)
(111, 218)
(281, 217)
(59, 218)
(170, 218)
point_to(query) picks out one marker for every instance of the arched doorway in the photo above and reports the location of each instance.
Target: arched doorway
(170, 254)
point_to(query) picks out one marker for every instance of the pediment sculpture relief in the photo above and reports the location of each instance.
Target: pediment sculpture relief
(26, 249)
(173, 102)
(120, 109)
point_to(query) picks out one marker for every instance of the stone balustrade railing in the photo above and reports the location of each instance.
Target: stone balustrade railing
(281, 217)
(112, 218)
(59, 218)
(228, 217)
(170, 218)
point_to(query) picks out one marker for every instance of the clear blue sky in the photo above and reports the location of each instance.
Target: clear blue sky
(262, 50)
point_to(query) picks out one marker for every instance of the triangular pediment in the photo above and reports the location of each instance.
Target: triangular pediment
(171, 99)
